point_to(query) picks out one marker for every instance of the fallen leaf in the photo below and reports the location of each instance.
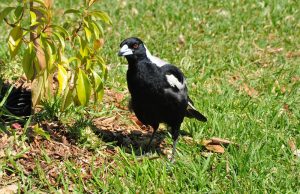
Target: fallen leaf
(119, 97)
(249, 90)
(293, 147)
(292, 144)
(9, 189)
(216, 144)
(206, 142)
(215, 148)
(220, 141)
(292, 54)
(274, 50)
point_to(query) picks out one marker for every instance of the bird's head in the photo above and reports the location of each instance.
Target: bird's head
(132, 48)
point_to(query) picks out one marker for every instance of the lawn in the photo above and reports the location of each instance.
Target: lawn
(242, 64)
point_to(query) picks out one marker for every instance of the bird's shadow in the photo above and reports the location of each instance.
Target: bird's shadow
(133, 140)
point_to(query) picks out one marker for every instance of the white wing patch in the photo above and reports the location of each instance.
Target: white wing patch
(157, 61)
(174, 82)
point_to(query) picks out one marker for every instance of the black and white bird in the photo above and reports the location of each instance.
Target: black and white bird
(158, 90)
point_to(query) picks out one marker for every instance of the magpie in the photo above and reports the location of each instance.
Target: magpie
(158, 90)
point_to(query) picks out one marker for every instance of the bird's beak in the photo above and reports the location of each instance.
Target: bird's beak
(125, 50)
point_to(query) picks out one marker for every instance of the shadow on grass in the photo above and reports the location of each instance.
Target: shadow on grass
(133, 140)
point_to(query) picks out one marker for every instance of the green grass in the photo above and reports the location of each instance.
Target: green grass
(239, 73)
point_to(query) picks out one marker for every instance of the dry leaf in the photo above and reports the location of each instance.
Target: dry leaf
(9, 189)
(220, 141)
(215, 148)
(292, 144)
(293, 147)
(216, 144)
(293, 54)
(206, 142)
(274, 50)
(249, 90)
(119, 97)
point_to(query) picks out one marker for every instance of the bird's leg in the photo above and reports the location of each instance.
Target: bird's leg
(155, 127)
(172, 160)
(175, 135)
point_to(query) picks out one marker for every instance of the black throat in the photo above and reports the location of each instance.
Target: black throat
(133, 60)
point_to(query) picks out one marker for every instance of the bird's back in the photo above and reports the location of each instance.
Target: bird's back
(147, 84)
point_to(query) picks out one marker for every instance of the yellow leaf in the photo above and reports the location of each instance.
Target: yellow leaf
(62, 78)
(37, 88)
(67, 98)
(88, 34)
(15, 40)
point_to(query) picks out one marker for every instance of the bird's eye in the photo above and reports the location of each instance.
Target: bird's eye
(135, 46)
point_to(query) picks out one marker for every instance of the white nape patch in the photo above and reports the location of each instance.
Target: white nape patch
(174, 82)
(125, 50)
(190, 104)
(157, 61)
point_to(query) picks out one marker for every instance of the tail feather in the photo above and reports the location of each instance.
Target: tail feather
(191, 112)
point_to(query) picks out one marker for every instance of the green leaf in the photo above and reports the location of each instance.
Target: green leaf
(97, 79)
(101, 15)
(27, 62)
(99, 27)
(50, 53)
(88, 33)
(61, 30)
(98, 83)
(84, 51)
(96, 30)
(83, 88)
(37, 88)
(60, 39)
(100, 60)
(15, 40)
(74, 11)
(67, 98)
(88, 64)
(62, 77)
(6, 96)
(18, 12)
(104, 72)
(5, 12)
(39, 131)
(70, 60)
